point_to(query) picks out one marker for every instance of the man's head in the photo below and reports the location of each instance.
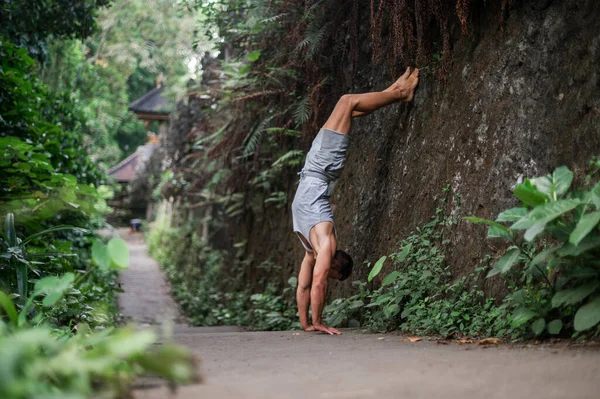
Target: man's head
(341, 266)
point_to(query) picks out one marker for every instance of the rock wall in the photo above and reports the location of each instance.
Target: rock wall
(520, 100)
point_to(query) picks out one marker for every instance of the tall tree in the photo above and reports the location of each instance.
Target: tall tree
(137, 41)
(32, 23)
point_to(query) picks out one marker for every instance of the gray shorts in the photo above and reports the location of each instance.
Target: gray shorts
(311, 206)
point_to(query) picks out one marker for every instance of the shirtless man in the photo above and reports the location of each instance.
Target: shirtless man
(311, 210)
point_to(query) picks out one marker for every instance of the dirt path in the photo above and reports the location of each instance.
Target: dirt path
(291, 364)
(146, 299)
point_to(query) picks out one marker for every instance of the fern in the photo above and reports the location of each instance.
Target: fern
(316, 38)
(290, 158)
(278, 199)
(287, 132)
(264, 179)
(274, 18)
(315, 31)
(312, 39)
(234, 203)
(290, 73)
(251, 141)
(311, 14)
(302, 110)
(211, 138)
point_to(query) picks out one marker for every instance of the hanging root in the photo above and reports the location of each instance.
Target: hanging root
(462, 10)
(376, 27)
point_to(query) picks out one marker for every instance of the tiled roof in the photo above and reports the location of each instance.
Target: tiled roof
(151, 103)
(125, 171)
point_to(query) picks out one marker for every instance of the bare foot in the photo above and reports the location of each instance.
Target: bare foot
(406, 87)
(400, 82)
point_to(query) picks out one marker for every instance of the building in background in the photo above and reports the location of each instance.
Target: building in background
(152, 108)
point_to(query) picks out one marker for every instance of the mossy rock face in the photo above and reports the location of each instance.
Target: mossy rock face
(517, 103)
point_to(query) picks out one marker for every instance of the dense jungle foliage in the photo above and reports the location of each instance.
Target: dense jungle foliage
(58, 278)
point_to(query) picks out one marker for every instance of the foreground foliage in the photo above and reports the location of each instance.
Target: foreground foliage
(40, 358)
(554, 252)
(38, 364)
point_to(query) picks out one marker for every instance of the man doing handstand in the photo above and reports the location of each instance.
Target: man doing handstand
(311, 210)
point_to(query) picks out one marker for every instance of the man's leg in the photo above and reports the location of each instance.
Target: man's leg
(303, 291)
(393, 86)
(351, 105)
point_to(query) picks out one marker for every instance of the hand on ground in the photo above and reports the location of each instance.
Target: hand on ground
(327, 330)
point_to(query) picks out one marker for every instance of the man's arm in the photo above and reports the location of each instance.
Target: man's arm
(326, 249)
(318, 290)
(303, 291)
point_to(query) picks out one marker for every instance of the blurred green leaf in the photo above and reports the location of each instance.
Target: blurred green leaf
(119, 253)
(474, 219)
(521, 316)
(562, 178)
(9, 308)
(404, 253)
(254, 55)
(538, 326)
(572, 296)
(54, 287)
(391, 278)
(101, 255)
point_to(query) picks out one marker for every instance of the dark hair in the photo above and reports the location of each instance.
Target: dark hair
(345, 263)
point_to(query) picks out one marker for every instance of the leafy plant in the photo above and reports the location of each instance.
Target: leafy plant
(558, 252)
(15, 251)
(37, 363)
(419, 294)
(271, 310)
(31, 23)
(113, 255)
